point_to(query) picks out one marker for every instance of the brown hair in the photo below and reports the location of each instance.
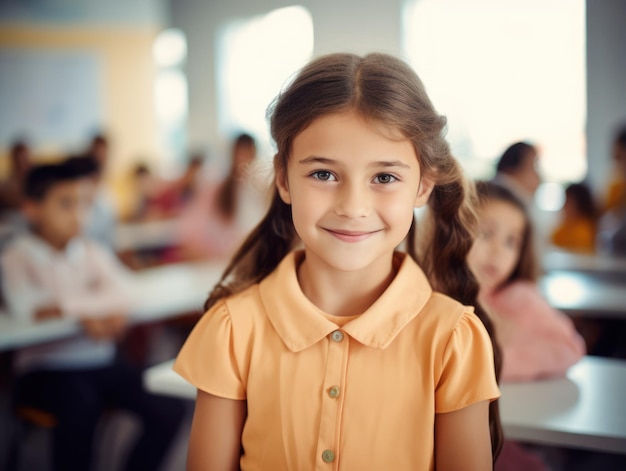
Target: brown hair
(227, 194)
(527, 266)
(384, 90)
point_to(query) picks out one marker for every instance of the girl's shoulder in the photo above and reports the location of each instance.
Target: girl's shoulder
(519, 298)
(447, 315)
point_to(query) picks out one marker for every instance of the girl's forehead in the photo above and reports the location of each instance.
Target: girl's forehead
(503, 208)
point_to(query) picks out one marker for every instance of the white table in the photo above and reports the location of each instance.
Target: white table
(596, 264)
(160, 293)
(587, 409)
(145, 235)
(580, 294)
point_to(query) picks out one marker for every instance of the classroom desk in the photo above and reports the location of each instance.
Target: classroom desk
(605, 266)
(586, 409)
(159, 293)
(131, 236)
(584, 295)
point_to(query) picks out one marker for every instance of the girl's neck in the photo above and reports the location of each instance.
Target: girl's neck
(343, 293)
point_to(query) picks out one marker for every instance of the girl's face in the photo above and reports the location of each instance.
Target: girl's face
(497, 247)
(352, 190)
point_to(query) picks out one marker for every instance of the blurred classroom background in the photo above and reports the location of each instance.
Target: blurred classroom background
(174, 93)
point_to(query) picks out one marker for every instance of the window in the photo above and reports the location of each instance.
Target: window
(504, 72)
(255, 58)
(170, 93)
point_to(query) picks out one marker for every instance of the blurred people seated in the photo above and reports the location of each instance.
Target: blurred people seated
(171, 199)
(11, 188)
(145, 190)
(517, 171)
(54, 272)
(12, 220)
(536, 340)
(611, 238)
(222, 213)
(576, 230)
(102, 217)
(616, 195)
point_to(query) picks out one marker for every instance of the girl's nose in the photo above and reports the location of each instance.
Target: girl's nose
(353, 201)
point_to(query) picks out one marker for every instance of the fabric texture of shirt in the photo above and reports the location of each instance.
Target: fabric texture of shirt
(536, 340)
(83, 280)
(360, 396)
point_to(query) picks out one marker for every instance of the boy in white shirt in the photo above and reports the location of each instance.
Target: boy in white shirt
(54, 272)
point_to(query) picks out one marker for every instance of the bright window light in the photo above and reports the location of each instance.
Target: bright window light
(504, 72)
(170, 48)
(170, 94)
(170, 90)
(255, 58)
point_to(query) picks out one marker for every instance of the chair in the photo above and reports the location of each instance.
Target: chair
(31, 420)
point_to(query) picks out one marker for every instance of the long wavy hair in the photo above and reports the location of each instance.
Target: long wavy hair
(227, 198)
(382, 89)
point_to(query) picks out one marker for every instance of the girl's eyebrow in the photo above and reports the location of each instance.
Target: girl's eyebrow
(326, 161)
(313, 159)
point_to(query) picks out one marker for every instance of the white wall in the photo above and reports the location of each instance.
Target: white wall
(606, 84)
(360, 26)
(348, 25)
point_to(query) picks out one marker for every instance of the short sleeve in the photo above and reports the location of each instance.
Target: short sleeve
(207, 358)
(467, 374)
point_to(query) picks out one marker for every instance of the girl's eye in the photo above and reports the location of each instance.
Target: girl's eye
(385, 178)
(512, 243)
(322, 175)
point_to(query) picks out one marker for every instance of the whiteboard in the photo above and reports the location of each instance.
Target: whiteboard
(49, 97)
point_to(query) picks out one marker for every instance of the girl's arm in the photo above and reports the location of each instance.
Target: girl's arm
(215, 440)
(462, 439)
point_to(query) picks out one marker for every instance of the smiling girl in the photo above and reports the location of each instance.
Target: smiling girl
(323, 346)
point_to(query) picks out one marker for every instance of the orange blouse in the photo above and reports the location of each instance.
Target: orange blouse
(327, 397)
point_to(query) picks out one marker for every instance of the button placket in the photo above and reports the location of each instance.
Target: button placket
(336, 363)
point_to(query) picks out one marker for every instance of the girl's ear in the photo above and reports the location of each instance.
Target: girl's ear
(283, 186)
(424, 191)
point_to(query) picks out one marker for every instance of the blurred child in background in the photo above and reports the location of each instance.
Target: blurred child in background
(172, 198)
(54, 271)
(12, 220)
(11, 187)
(616, 196)
(222, 213)
(612, 225)
(536, 340)
(103, 216)
(577, 229)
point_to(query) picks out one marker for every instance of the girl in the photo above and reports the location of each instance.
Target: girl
(536, 340)
(323, 347)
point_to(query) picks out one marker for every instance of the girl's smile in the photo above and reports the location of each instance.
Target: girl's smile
(351, 236)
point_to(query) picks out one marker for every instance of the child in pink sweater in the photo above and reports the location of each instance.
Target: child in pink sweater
(536, 340)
